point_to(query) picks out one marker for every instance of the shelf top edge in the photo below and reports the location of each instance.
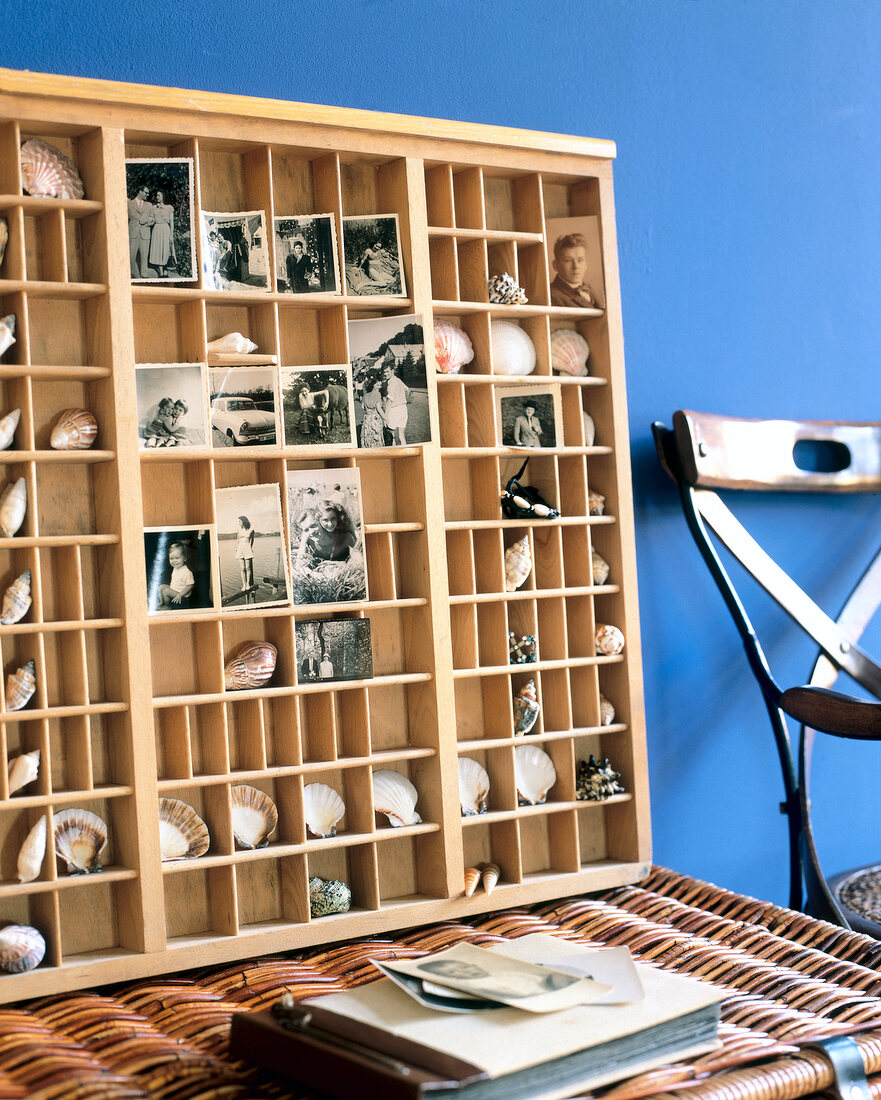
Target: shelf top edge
(87, 89)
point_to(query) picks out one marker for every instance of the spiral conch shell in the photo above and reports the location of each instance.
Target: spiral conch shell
(607, 711)
(23, 769)
(234, 343)
(13, 505)
(182, 833)
(7, 332)
(16, 599)
(452, 347)
(526, 708)
(534, 774)
(20, 686)
(518, 563)
(322, 809)
(473, 786)
(30, 857)
(7, 428)
(254, 816)
(21, 948)
(599, 568)
(80, 838)
(46, 171)
(250, 666)
(395, 796)
(569, 352)
(74, 430)
(609, 640)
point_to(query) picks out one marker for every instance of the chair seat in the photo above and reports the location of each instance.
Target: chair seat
(858, 892)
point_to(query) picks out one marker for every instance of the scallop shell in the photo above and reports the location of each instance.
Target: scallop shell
(13, 505)
(4, 237)
(182, 833)
(513, 351)
(7, 332)
(21, 948)
(534, 774)
(569, 352)
(472, 878)
(234, 343)
(16, 599)
(599, 568)
(80, 838)
(328, 895)
(452, 347)
(7, 428)
(30, 856)
(254, 816)
(491, 875)
(395, 796)
(518, 563)
(607, 711)
(526, 708)
(505, 290)
(609, 640)
(23, 769)
(46, 171)
(473, 786)
(20, 686)
(590, 429)
(322, 809)
(250, 666)
(596, 503)
(74, 430)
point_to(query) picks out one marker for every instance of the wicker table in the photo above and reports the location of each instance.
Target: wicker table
(791, 980)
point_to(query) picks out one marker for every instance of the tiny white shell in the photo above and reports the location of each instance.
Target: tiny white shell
(254, 816)
(609, 640)
(23, 769)
(21, 948)
(74, 430)
(534, 774)
(16, 599)
(13, 505)
(182, 833)
(80, 838)
(234, 343)
(518, 563)
(590, 430)
(395, 796)
(452, 347)
(569, 352)
(513, 350)
(473, 786)
(7, 332)
(322, 809)
(7, 428)
(30, 856)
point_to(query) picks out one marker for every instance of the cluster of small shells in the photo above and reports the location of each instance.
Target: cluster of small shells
(521, 648)
(452, 347)
(596, 782)
(250, 666)
(21, 948)
(47, 172)
(609, 640)
(505, 290)
(518, 564)
(327, 896)
(534, 774)
(473, 786)
(487, 873)
(395, 796)
(526, 708)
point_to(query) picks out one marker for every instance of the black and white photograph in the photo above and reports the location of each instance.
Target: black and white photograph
(235, 251)
(318, 406)
(179, 562)
(172, 405)
(575, 262)
(530, 416)
(326, 536)
(333, 649)
(251, 550)
(306, 257)
(389, 381)
(372, 252)
(161, 221)
(243, 406)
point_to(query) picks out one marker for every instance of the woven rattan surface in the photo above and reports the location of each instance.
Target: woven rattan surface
(791, 980)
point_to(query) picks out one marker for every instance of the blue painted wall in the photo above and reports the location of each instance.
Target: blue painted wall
(748, 195)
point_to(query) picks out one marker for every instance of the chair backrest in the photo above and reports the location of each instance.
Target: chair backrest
(704, 453)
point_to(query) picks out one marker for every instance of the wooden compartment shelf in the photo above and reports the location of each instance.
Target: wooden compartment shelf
(131, 707)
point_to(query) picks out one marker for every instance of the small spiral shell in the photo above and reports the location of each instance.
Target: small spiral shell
(16, 599)
(74, 430)
(20, 686)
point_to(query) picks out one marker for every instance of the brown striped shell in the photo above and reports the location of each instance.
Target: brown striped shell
(182, 833)
(21, 948)
(80, 838)
(74, 430)
(46, 171)
(250, 666)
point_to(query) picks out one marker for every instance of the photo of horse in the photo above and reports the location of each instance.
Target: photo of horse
(318, 406)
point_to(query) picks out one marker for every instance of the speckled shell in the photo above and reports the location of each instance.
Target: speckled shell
(16, 599)
(452, 347)
(254, 816)
(607, 711)
(328, 896)
(518, 563)
(20, 686)
(526, 708)
(30, 856)
(251, 666)
(4, 237)
(491, 874)
(590, 430)
(7, 428)
(182, 833)
(21, 948)
(7, 332)
(80, 838)
(13, 505)
(23, 769)
(513, 351)
(596, 503)
(472, 878)
(505, 290)
(74, 430)
(395, 796)
(609, 640)
(323, 807)
(599, 568)
(569, 352)
(46, 171)
(534, 774)
(473, 786)
(232, 344)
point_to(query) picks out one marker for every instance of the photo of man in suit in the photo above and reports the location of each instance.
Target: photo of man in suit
(570, 265)
(140, 227)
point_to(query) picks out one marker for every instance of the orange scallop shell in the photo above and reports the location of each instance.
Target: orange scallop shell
(46, 171)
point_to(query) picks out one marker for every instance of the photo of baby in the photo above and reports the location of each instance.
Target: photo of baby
(575, 263)
(178, 562)
(172, 405)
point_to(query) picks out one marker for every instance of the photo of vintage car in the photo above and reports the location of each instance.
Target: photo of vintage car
(242, 421)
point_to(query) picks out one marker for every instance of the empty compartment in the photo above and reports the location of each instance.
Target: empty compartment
(463, 625)
(439, 194)
(178, 495)
(532, 269)
(483, 707)
(310, 336)
(468, 198)
(209, 744)
(444, 268)
(410, 868)
(556, 700)
(452, 414)
(552, 629)
(281, 732)
(580, 626)
(200, 901)
(186, 658)
(573, 485)
(460, 563)
(473, 263)
(480, 417)
(567, 197)
(246, 734)
(317, 726)
(46, 247)
(65, 500)
(492, 634)
(380, 565)
(578, 567)
(59, 333)
(173, 748)
(489, 563)
(167, 332)
(513, 203)
(389, 717)
(583, 695)
(548, 551)
(107, 915)
(549, 843)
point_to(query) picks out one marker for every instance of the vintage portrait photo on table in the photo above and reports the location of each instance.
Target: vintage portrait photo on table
(161, 220)
(179, 563)
(530, 416)
(326, 536)
(251, 546)
(317, 406)
(306, 258)
(235, 251)
(333, 649)
(575, 263)
(389, 381)
(172, 405)
(372, 252)
(243, 406)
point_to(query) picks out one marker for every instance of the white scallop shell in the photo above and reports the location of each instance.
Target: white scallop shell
(23, 769)
(590, 429)
(7, 332)
(609, 640)
(473, 786)
(322, 808)
(569, 352)
(80, 838)
(46, 171)
(16, 599)
(534, 774)
(7, 428)
(452, 347)
(254, 816)
(518, 563)
(234, 343)
(74, 430)
(13, 505)
(395, 796)
(513, 350)
(599, 568)
(30, 856)
(20, 686)
(182, 833)
(21, 948)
